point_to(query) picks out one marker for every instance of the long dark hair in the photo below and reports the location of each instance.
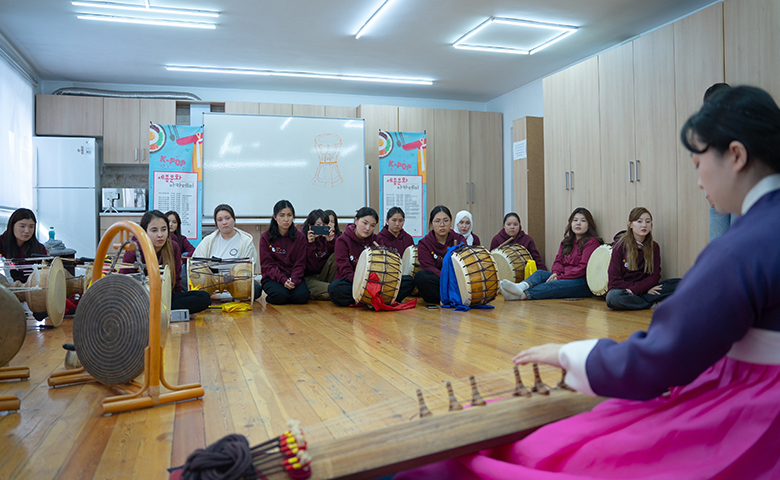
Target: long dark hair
(748, 115)
(632, 249)
(312, 219)
(569, 237)
(178, 228)
(336, 229)
(274, 228)
(9, 244)
(167, 248)
(437, 209)
(512, 214)
(366, 212)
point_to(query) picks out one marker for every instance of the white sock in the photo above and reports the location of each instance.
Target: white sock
(515, 288)
(509, 295)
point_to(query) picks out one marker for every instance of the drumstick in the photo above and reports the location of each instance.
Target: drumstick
(510, 239)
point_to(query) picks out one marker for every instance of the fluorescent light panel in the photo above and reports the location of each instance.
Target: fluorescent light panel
(330, 76)
(565, 30)
(382, 8)
(147, 21)
(147, 8)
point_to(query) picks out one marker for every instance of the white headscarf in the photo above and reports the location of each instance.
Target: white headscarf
(460, 216)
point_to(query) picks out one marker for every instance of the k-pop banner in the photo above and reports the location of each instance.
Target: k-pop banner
(176, 174)
(403, 178)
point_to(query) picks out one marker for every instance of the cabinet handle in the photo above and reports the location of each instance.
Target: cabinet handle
(571, 182)
(143, 155)
(472, 192)
(467, 193)
(567, 180)
(630, 172)
(136, 154)
(637, 170)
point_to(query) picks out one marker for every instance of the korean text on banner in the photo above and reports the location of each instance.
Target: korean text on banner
(403, 178)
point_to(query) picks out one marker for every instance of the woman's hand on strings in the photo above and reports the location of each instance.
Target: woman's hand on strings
(547, 354)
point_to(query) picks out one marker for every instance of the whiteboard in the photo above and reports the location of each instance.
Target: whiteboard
(252, 161)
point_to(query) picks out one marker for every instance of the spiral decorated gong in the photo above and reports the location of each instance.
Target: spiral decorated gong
(13, 325)
(111, 329)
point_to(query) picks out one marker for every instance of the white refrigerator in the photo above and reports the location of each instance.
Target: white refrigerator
(66, 194)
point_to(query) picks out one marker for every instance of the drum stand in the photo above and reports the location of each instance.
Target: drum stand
(136, 395)
(11, 402)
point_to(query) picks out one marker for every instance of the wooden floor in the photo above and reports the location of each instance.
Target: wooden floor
(337, 370)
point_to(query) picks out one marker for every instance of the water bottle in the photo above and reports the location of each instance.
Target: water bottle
(51, 233)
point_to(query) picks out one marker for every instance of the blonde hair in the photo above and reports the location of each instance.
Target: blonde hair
(630, 243)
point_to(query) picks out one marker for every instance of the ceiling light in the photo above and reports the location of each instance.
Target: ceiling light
(147, 21)
(382, 8)
(278, 73)
(147, 8)
(562, 31)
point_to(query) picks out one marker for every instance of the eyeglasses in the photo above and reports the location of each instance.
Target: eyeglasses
(439, 221)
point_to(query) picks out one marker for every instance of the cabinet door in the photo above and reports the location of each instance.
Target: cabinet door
(413, 119)
(241, 107)
(121, 119)
(529, 179)
(698, 64)
(486, 172)
(340, 112)
(618, 150)
(377, 117)
(274, 109)
(68, 115)
(162, 112)
(584, 132)
(656, 139)
(452, 160)
(751, 43)
(557, 163)
(308, 111)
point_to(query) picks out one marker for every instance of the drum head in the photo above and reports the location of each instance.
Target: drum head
(505, 270)
(13, 325)
(408, 260)
(56, 292)
(242, 281)
(360, 280)
(111, 329)
(476, 274)
(597, 272)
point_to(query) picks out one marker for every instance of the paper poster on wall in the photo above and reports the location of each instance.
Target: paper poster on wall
(176, 174)
(178, 191)
(403, 178)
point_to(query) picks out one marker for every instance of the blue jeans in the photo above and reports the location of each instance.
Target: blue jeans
(573, 288)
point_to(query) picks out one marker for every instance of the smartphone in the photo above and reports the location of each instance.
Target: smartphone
(433, 307)
(320, 230)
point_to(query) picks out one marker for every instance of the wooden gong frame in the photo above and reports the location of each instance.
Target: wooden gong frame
(147, 394)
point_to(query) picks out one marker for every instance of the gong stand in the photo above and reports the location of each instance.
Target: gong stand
(137, 395)
(14, 329)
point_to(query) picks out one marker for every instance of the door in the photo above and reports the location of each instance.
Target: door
(486, 173)
(65, 162)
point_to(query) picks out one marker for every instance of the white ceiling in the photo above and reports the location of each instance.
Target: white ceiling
(412, 39)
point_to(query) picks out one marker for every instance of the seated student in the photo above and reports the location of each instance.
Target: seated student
(512, 228)
(19, 242)
(568, 272)
(155, 223)
(356, 238)
(283, 258)
(431, 250)
(464, 224)
(393, 235)
(228, 242)
(333, 222)
(635, 267)
(174, 225)
(320, 261)
(695, 396)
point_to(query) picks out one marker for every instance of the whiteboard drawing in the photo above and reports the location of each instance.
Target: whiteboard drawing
(328, 146)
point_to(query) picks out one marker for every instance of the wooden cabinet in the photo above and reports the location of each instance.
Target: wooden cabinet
(126, 127)
(698, 64)
(308, 110)
(259, 108)
(529, 179)
(68, 115)
(752, 56)
(486, 177)
(377, 117)
(414, 119)
(452, 181)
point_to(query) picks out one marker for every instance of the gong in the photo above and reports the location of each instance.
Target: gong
(13, 326)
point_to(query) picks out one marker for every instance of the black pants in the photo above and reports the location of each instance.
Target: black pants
(278, 294)
(258, 289)
(340, 291)
(620, 299)
(195, 301)
(428, 284)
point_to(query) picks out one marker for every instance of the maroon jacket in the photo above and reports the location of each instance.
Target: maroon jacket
(317, 253)
(397, 244)
(430, 252)
(20, 275)
(130, 256)
(635, 280)
(521, 239)
(283, 258)
(575, 264)
(348, 250)
(186, 247)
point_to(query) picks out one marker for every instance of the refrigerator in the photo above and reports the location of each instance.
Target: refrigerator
(65, 181)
